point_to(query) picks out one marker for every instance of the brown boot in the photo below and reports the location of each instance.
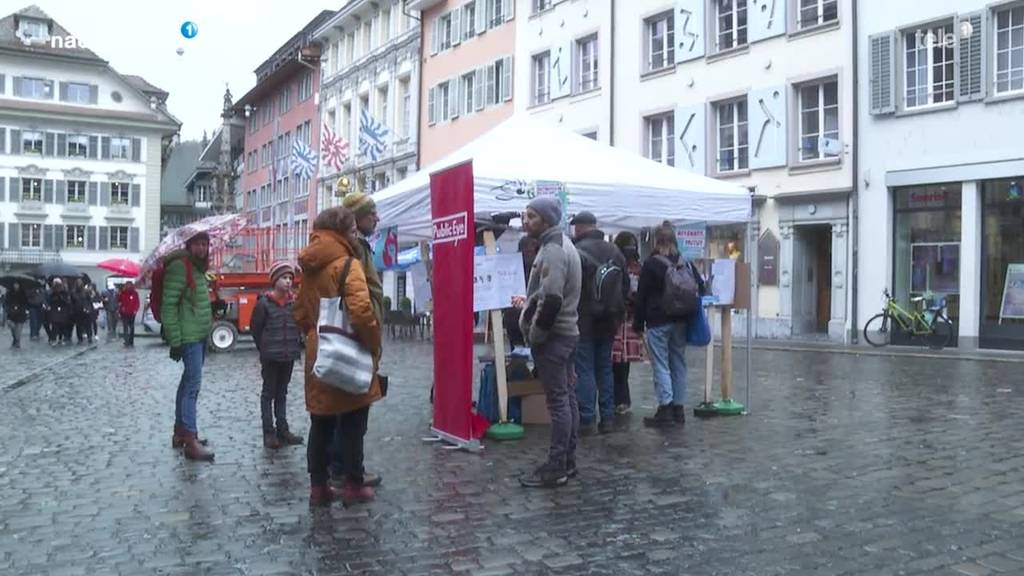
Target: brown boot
(178, 438)
(194, 450)
(354, 493)
(323, 495)
(287, 438)
(270, 441)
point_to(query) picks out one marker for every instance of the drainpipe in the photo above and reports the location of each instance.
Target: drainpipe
(855, 168)
(611, 80)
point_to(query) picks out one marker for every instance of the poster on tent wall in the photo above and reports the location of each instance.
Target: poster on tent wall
(692, 240)
(558, 190)
(385, 247)
(451, 200)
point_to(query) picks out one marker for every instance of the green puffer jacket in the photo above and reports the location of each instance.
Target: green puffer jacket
(185, 311)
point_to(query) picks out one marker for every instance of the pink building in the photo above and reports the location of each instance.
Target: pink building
(467, 71)
(281, 109)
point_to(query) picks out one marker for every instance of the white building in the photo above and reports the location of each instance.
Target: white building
(563, 64)
(370, 63)
(759, 93)
(941, 162)
(80, 150)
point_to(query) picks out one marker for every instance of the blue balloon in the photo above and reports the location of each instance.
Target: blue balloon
(189, 29)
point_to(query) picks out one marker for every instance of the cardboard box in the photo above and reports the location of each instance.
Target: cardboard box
(535, 409)
(525, 388)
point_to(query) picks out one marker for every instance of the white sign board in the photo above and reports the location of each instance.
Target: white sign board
(496, 279)
(421, 286)
(723, 281)
(1013, 293)
(692, 240)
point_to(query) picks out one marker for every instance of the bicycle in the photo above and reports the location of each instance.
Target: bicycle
(928, 322)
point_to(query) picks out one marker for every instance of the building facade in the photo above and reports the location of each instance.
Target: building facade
(279, 113)
(563, 51)
(368, 94)
(179, 206)
(941, 208)
(469, 66)
(761, 94)
(81, 150)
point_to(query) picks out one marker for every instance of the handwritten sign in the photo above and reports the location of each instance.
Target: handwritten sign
(496, 279)
(692, 240)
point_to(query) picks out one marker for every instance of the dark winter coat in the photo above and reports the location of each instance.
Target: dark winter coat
(60, 308)
(649, 312)
(593, 244)
(16, 306)
(275, 331)
(81, 303)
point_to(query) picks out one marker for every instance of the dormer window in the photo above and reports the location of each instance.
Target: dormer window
(32, 29)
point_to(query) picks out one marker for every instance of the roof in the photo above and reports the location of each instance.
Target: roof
(286, 51)
(10, 40)
(179, 167)
(143, 86)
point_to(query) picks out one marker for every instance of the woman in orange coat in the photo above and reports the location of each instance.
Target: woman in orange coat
(323, 261)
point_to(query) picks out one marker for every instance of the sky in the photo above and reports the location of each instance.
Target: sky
(141, 37)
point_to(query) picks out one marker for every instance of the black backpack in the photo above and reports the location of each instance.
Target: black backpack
(606, 298)
(681, 296)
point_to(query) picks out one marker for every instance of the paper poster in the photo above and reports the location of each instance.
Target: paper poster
(692, 240)
(557, 189)
(1013, 293)
(723, 281)
(385, 247)
(421, 286)
(496, 279)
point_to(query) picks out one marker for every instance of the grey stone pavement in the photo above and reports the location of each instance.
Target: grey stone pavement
(847, 465)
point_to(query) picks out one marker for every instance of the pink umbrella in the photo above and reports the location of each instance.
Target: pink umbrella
(121, 267)
(221, 229)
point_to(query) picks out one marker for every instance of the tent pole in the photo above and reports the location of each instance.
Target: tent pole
(750, 309)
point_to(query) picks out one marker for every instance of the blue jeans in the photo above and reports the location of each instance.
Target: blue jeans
(594, 381)
(35, 321)
(192, 356)
(667, 347)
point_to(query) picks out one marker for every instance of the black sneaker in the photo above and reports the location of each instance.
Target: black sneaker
(589, 429)
(607, 426)
(546, 476)
(661, 419)
(679, 413)
(570, 470)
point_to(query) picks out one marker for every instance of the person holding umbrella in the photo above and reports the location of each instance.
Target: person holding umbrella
(16, 307)
(60, 314)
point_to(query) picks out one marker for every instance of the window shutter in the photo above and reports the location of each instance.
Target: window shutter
(3, 83)
(94, 147)
(133, 239)
(136, 193)
(690, 135)
(63, 91)
(14, 236)
(883, 72)
(15, 188)
(48, 191)
(62, 192)
(94, 193)
(105, 147)
(105, 194)
(3, 190)
(16, 141)
(435, 42)
(491, 85)
(16, 85)
(510, 9)
(455, 102)
(48, 237)
(136, 149)
(506, 78)
(478, 89)
(3, 140)
(94, 94)
(90, 237)
(49, 140)
(59, 236)
(481, 16)
(456, 26)
(689, 33)
(972, 57)
(767, 130)
(104, 238)
(431, 103)
(766, 19)
(62, 144)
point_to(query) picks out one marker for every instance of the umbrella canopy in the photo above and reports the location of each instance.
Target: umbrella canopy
(26, 282)
(58, 269)
(221, 229)
(121, 267)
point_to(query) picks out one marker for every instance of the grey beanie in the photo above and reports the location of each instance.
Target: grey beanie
(549, 208)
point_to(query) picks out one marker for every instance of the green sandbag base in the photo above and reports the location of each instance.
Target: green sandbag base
(721, 408)
(505, 431)
(705, 410)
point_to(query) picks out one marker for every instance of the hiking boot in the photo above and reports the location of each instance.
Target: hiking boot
(661, 419)
(546, 476)
(193, 450)
(287, 438)
(589, 429)
(270, 441)
(607, 426)
(322, 495)
(178, 438)
(369, 479)
(679, 414)
(354, 493)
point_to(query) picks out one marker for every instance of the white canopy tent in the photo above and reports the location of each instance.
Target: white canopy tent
(622, 189)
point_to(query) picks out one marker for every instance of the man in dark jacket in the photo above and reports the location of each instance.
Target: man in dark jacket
(36, 317)
(599, 320)
(60, 310)
(16, 309)
(81, 303)
(279, 341)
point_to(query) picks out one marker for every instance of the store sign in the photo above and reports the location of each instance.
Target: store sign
(1013, 293)
(692, 240)
(927, 199)
(450, 228)
(768, 259)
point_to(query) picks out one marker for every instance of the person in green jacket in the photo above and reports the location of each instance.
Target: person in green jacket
(187, 319)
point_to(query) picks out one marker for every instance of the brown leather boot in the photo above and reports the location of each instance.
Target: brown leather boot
(270, 441)
(178, 438)
(194, 450)
(354, 493)
(323, 495)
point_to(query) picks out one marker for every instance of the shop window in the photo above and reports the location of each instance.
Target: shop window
(1002, 264)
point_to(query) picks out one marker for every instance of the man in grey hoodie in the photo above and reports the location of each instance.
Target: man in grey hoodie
(550, 324)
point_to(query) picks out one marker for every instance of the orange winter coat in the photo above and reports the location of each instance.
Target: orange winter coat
(322, 263)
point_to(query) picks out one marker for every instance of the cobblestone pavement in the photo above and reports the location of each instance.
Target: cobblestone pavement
(848, 465)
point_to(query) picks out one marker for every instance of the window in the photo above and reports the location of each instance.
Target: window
(35, 88)
(732, 135)
(444, 28)
(659, 138)
(1009, 47)
(306, 86)
(730, 24)
(119, 193)
(496, 8)
(78, 93)
(813, 13)
(541, 75)
(253, 121)
(202, 194)
(31, 235)
(74, 236)
(444, 100)
(31, 142)
(34, 29)
(364, 104)
(120, 148)
(586, 64)
(1002, 256)
(367, 36)
(930, 65)
(346, 120)
(385, 24)
(350, 47)
(118, 237)
(819, 120)
(286, 99)
(31, 189)
(76, 191)
(405, 99)
(382, 106)
(541, 5)
(78, 146)
(468, 90)
(660, 41)
(469, 20)
(380, 181)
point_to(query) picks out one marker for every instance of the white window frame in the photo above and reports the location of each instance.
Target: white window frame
(117, 237)
(383, 96)
(31, 189)
(202, 194)
(1011, 73)
(497, 12)
(385, 24)
(33, 28)
(34, 137)
(735, 29)
(444, 28)
(405, 94)
(468, 87)
(739, 125)
(821, 111)
(665, 23)
(659, 138)
(820, 7)
(81, 144)
(586, 70)
(120, 148)
(916, 39)
(78, 93)
(444, 94)
(469, 20)
(31, 235)
(74, 236)
(539, 6)
(119, 190)
(540, 78)
(77, 191)
(367, 32)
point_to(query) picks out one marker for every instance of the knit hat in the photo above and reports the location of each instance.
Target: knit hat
(280, 268)
(549, 209)
(359, 203)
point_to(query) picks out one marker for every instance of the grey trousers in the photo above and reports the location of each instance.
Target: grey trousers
(555, 360)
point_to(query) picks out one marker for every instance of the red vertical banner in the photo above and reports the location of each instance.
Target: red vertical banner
(451, 200)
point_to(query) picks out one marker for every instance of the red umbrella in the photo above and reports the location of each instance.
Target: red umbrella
(121, 267)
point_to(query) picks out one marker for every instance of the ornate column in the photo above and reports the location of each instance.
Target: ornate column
(786, 271)
(837, 322)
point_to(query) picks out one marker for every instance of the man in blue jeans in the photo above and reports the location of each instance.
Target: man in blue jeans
(600, 313)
